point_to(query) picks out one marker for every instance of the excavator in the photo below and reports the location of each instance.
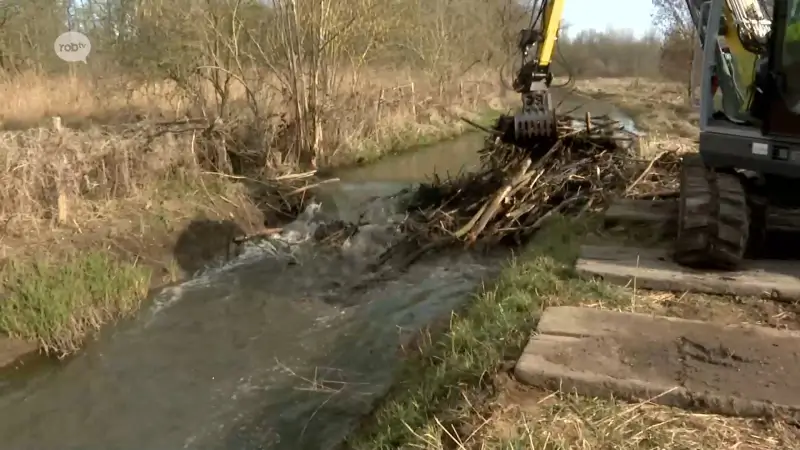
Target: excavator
(746, 172)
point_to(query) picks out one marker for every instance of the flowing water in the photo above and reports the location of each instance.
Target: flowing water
(257, 353)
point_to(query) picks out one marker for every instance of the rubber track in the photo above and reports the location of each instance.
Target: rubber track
(714, 223)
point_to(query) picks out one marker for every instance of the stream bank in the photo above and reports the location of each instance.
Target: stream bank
(253, 353)
(260, 352)
(161, 242)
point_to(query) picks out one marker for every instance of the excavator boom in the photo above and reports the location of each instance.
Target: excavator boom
(554, 10)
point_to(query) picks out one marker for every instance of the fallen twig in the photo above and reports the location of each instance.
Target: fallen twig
(645, 172)
(481, 127)
(312, 186)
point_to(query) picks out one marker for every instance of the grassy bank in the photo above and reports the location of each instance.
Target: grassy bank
(58, 302)
(125, 194)
(455, 393)
(417, 138)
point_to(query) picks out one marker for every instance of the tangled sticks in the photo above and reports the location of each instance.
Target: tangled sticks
(517, 189)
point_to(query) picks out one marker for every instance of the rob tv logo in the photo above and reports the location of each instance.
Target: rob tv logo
(72, 47)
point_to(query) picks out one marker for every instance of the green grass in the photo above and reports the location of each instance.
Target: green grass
(57, 303)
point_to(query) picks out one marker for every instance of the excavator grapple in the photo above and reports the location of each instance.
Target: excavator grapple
(534, 124)
(536, 120)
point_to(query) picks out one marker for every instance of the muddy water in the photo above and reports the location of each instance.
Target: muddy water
(257, 353)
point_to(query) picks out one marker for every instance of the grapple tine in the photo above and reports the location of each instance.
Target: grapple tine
(536, 120)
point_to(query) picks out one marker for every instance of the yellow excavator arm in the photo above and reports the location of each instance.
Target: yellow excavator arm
(554, 9)
(535, 122)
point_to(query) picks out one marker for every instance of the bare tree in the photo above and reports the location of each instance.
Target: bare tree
(674, 21)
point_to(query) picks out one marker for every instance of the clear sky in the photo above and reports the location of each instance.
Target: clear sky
(602, 14)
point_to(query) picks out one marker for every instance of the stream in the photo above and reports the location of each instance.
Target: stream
(257, 354)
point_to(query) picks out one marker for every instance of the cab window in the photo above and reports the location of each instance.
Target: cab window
(791, 40)
(791, 56)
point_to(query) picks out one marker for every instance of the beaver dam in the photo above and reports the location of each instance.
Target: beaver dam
(515, 190)
(508, 199)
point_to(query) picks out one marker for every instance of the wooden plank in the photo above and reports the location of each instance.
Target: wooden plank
(734, 370)
(654, 269)
(642, 211)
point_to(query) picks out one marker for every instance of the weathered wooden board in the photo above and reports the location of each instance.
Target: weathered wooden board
(735, 370)
(654, 269)
(660, 212)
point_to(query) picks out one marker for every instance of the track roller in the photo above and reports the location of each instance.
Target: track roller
(713, 218)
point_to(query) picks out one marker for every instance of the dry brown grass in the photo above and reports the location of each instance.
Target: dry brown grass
(86, 176)
(524, 418)
(76, 182)
(370, 108)
(658, 107)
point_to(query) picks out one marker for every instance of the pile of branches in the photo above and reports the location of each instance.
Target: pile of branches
(517, 189)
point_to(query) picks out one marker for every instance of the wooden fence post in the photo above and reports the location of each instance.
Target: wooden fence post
(379, 106)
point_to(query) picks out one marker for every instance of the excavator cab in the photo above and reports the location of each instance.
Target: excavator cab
(779, 102)
(756, 63)
(748, 165)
